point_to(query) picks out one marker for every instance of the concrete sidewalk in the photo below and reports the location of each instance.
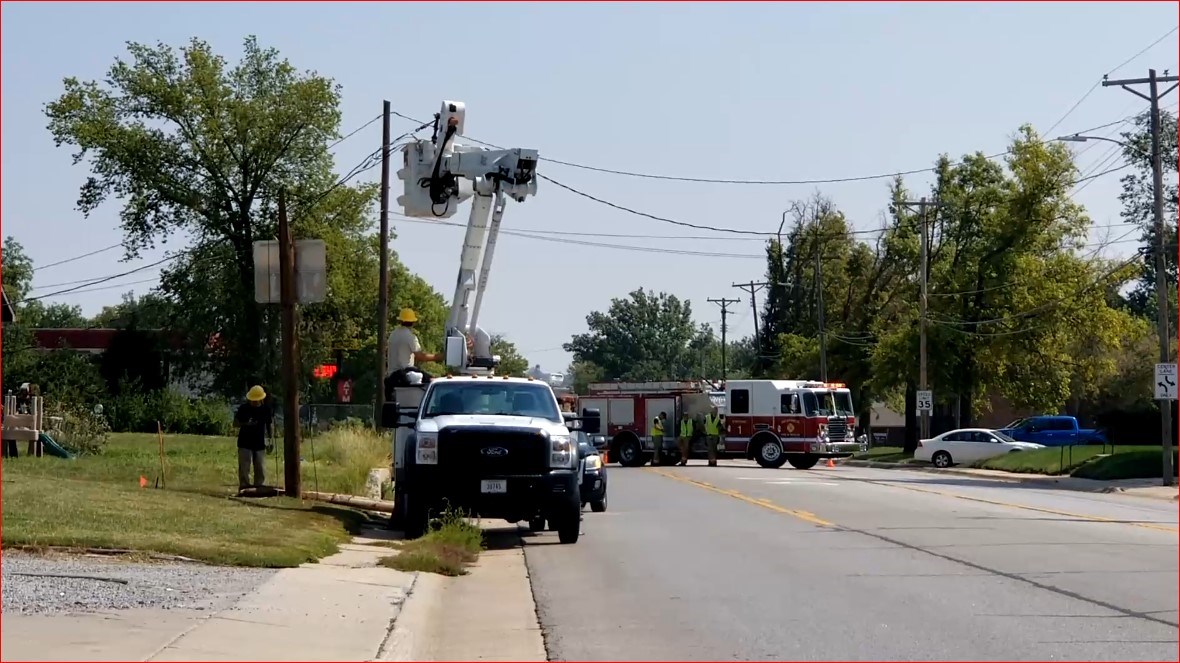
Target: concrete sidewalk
(1147, 488)
(340, 609)
(488, 615)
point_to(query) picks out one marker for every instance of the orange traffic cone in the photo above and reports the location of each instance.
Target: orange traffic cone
(831, 463)
(605, 457)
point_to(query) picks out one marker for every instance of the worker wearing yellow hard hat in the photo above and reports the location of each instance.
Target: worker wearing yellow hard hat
(255, 422)
(403, 350)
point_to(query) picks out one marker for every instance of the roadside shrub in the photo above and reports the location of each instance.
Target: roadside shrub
(352, 452)
(133, 412)
(77, 428)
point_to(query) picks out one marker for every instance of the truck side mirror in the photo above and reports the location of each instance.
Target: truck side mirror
(571, 421)
(591, 420)
(390, 412)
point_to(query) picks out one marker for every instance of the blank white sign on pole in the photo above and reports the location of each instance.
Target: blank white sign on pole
(925, 401)
(311, 271)
(1165, 382)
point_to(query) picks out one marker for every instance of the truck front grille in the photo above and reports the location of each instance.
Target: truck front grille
(837, 429)
(493, 451)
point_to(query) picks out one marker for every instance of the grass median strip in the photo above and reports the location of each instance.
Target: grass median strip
(447, 550)
(97, 502)
(1083, 461)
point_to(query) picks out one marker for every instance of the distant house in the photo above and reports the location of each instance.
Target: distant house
(9, 313)
(888, 426)
(98, 341)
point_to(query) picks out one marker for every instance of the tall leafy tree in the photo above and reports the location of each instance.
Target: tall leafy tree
(511, 361)
(643, 337)
(190, 143)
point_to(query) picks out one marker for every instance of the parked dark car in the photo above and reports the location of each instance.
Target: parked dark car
(593, 488)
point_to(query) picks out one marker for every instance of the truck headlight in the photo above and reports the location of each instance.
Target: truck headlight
(426, 452)
(561, 451)
(594, 462)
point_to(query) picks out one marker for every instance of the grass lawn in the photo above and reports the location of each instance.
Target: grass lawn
(1139, 463)
(96, 501)
(885, 455)
(1057, 460)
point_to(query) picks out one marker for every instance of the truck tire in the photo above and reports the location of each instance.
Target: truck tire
(598, 506)
(630, 452)
(397, 519)
(417, 518)
(802, 461)
(570, 526)
(768, 451)
(537, 525)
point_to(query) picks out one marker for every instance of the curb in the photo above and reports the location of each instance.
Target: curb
(1008, 478)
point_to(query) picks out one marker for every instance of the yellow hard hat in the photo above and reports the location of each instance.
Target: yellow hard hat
(256, 393)
(407, 315)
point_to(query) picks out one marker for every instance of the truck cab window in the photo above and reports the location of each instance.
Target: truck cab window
(739, 401)
(789, 404)
(810, 406)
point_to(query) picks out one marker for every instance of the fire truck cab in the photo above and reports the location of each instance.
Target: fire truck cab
(775, 422)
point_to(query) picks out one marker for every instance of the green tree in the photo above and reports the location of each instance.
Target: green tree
(1138, 201)
(643, 337)
(582, 374)
(511, 361)
(189, 143)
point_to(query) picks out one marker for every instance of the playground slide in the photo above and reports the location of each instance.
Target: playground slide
(53, 448)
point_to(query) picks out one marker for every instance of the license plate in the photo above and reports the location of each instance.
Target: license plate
(493, 486)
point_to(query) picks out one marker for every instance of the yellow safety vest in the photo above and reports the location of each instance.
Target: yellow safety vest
(686, 428)
(657, 429)
(712, 424)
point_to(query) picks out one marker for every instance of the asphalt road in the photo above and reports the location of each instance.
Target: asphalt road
(741, 563)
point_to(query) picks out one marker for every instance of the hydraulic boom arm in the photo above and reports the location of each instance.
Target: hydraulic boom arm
(438, 175)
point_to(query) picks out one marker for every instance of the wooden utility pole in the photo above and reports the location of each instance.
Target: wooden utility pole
(819, 307)
(923, 276)
(291, 480)
(724, 304)
(752, 288)
(383, 281)
(1161, 284)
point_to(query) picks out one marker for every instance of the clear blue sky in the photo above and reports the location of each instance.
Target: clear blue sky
(736, 91)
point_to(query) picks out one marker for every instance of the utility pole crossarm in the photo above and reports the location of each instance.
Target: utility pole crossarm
(753, 288)
(1163, 330)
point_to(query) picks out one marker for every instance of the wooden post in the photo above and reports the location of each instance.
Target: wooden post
(291, 432)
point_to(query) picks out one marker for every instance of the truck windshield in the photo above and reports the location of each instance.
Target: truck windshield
(843, 403)
(491, 398)
(818, 403)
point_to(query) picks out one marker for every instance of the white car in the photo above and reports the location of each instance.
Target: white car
(968, 445)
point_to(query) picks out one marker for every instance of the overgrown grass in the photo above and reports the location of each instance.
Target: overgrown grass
(1143, 463)
(96, 501)
(1053, 460)
(447, 550)
(885, 455)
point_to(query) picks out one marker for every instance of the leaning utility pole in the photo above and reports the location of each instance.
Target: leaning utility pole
(922, 206)
(383, 287)
(724, 304)
(291, 479)
(752, 288)
(1161, 285)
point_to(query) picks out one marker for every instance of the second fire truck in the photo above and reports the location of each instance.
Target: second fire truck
(773, 422)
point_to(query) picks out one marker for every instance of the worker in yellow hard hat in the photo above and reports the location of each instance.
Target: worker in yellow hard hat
(255, 422)
(403, 350)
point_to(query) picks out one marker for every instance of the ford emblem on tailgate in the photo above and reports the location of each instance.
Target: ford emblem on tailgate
(494, 451)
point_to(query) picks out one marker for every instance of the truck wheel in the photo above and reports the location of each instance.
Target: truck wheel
(537, 525)
(630, 453)
(599, 506)
(570, 527)
(942, 459)
(770, 454)
(417, 518)
(804, 462)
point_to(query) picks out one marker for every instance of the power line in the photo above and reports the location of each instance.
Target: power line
(355, 131)
(79, 257)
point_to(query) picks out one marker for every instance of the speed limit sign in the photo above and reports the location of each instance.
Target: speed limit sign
(925, 401)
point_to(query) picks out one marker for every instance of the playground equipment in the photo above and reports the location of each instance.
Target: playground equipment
(28, 425)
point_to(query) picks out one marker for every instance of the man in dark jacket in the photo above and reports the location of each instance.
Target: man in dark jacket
(255, 421)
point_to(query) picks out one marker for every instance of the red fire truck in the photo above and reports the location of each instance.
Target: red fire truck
(773, 422)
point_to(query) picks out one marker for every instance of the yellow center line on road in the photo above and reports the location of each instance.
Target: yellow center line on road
(805, 516)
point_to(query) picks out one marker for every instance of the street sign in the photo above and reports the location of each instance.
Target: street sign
(1165, 382)
(344, 391)
(311, 271)
(925, 401)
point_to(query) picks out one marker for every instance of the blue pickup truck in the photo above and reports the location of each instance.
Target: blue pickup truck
(1053, 431)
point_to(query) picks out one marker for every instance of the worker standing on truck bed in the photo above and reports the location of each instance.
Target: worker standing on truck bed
(685, 439)
(405, 351)
(713, 434)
